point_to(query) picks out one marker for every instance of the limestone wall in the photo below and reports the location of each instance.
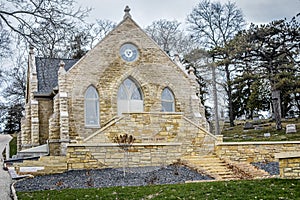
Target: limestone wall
(112, 155)
(54, 128)
(255, 151)
(45, 165)
(45, 111)
(289, 164)
(148, 127)
(161, 139)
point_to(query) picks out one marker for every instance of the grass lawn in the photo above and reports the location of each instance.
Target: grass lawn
(249, 189)
(238, 134)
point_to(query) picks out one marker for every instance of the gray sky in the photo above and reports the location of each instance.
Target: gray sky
(144, 12)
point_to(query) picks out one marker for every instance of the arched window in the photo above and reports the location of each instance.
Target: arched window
(130, 98)
(167, 100)
(91, 107)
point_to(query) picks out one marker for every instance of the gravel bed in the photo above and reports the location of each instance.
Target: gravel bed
(111, 177)
(271, 167)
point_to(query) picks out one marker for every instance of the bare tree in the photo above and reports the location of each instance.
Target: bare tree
(41, 23)
(4, 42)
(169, 36)
(97, 31)
(212, 25)
(125, 142)
(84, 38)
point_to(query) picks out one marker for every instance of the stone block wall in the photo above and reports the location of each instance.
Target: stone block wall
(112, 155)
(289, 164)
(80, 157)
(255, 151)
(161, 139)
(47, 164)
(25, 136)
(45, 111)
(148, 127)
(54, 128)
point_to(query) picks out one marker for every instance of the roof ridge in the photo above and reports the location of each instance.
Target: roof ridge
(56, 58)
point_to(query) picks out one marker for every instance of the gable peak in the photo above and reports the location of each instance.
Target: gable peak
(127, 14)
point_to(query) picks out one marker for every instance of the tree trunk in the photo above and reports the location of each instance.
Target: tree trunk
(276, 108)
(215, 96)
(229, 94)
(297, 100)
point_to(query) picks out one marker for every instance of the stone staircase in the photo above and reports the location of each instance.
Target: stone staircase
(219, 169)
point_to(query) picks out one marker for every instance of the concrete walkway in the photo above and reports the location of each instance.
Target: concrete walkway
(5, 179)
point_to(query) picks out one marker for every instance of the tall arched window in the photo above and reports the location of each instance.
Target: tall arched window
(167, 100)
(91, 107)
(130, 98)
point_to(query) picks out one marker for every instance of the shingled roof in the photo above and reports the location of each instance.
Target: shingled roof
(47, 73)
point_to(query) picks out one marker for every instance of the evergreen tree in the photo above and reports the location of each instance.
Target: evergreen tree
(12, 118)
(274, 53)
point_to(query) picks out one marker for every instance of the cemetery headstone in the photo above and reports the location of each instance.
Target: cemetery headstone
(267, 134)
(248, 125)
(291, 128)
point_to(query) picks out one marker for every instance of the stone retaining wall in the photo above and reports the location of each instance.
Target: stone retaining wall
(289, 164)
(45, 165)
(255, 151)
(112, 154)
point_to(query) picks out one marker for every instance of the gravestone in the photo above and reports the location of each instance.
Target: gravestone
(267, 134)
(248, 125)
(291, 128)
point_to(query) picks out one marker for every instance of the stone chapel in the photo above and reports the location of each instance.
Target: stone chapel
(126, 84)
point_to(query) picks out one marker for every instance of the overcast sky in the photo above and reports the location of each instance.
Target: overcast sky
(144, 12)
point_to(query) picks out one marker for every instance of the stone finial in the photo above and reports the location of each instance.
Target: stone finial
(61, 67)
(62, 64)
(127, 14)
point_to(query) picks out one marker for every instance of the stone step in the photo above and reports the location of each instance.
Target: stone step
(217, 168)
(250, 170)
(229, 177)
(224, 170)
(211, 165)
(208, 164)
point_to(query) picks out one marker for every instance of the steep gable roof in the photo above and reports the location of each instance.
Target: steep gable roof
(47, 68)
(47, 72)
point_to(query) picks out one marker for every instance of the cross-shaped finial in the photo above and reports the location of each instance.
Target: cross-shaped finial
(127, 14)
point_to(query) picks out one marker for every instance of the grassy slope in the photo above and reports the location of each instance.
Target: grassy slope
(250, 189)
(237, 134)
